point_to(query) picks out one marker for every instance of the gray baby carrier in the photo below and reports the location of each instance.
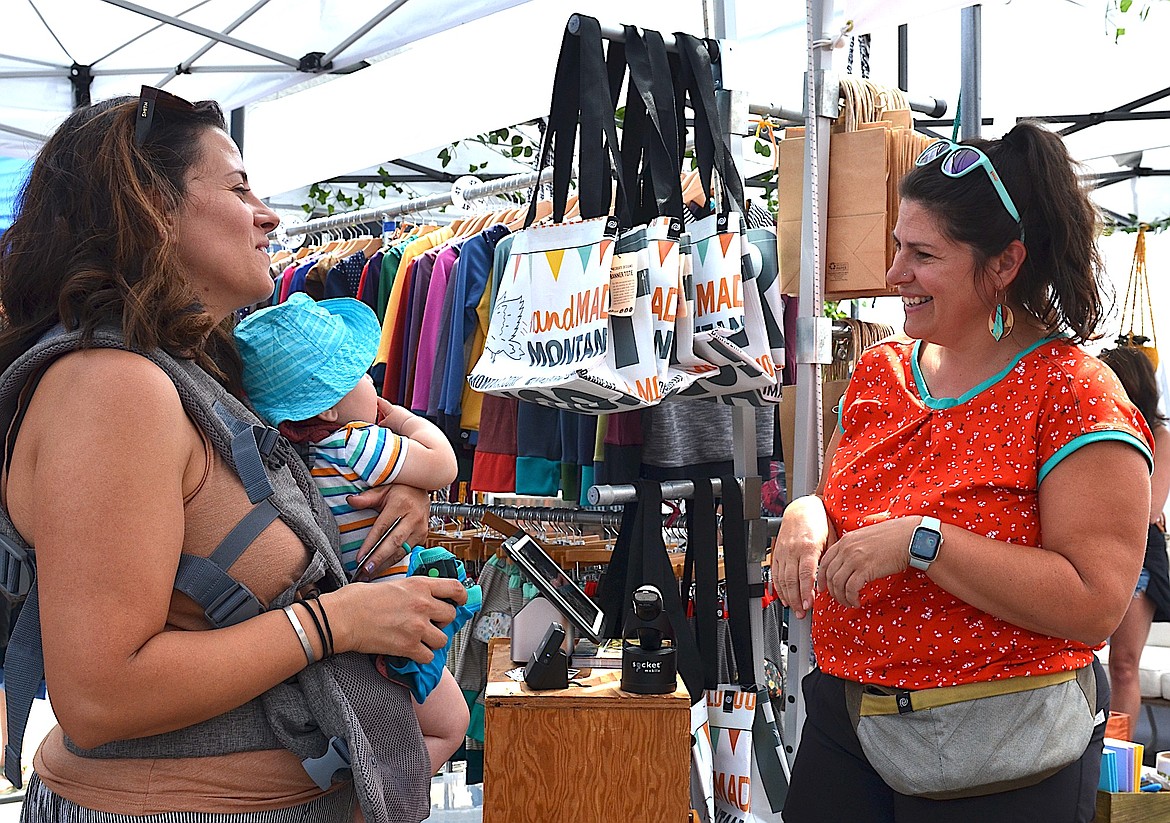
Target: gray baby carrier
(339, 716)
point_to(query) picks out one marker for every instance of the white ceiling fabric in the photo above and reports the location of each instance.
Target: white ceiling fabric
(460, 83)
(127, 49)
(448, 69)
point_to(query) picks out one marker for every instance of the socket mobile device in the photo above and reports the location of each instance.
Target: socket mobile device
(549, 666)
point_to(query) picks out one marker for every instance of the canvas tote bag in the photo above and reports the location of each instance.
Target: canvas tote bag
(567, 329)
(751, 782)
(732, 351)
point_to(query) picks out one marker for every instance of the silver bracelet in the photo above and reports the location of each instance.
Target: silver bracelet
(300, 630)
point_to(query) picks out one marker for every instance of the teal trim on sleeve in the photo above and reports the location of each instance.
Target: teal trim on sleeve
(841, 414)
(1094, 437)
(950, 402)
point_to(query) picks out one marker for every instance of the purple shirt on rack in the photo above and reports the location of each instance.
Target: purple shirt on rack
(431, 326)
(420, 281)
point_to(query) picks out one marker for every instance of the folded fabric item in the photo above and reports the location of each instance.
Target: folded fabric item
(421, 679)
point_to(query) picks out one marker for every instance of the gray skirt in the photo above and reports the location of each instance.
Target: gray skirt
(41, 805)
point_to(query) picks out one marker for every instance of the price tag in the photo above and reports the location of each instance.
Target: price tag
(461, 185)
(623, 284)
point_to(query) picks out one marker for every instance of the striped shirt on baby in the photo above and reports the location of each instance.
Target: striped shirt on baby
(355, 458)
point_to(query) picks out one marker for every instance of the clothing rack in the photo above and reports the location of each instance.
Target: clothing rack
(504, 185)
(618, 495)
(529, 514)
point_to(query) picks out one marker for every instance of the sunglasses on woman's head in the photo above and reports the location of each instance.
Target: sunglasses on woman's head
(960, 160)
(148, 101)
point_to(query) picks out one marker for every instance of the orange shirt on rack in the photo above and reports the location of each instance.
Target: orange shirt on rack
(976, 462)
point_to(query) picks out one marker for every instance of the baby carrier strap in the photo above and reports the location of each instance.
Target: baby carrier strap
(339, 716)
(206, 580)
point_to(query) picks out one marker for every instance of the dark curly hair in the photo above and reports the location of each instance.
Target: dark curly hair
(1136, 373)
(1060, 282)
(90, 245)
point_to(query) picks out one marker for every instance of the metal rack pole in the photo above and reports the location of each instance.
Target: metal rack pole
(814, 331)
(619, 495)
(529, 514)
(502, 186)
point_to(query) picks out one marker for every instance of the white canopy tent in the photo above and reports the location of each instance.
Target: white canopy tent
(56, 53)
(474, 65)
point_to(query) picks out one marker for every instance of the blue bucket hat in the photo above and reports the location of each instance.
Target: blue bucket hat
(302, 356)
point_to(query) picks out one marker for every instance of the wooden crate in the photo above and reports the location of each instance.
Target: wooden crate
(1133, 807)
(587, 753)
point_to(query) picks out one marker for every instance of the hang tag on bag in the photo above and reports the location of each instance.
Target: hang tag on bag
(623, 284)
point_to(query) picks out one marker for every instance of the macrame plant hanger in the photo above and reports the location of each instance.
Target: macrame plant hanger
(1138, 307)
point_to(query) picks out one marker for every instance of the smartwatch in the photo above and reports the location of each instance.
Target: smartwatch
(925, 543)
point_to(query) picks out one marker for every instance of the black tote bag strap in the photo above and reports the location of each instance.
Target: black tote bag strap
(599, 142)
(657, 571)
(561, 132)
(736, 577)
(614, 589)
(703, 554)
(581, 98)
(650, 156)
(712, 150)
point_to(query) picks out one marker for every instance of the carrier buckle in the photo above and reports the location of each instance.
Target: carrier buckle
(234, 605)
(336, 759)
(17, 569)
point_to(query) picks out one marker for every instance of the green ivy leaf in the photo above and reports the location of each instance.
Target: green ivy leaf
(360, 201)
(362, 184)
(1124, 5)
(381, 192)
(517, 140)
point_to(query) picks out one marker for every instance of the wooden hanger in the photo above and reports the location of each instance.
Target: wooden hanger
(693, 189)
(372, 246)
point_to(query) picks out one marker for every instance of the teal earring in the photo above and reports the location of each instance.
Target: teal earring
(1001, 322)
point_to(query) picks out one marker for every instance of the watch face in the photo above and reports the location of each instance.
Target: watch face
(924, 544)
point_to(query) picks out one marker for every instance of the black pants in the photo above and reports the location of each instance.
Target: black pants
(833, 782)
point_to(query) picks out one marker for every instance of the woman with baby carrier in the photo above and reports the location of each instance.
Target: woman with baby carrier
(205, 659)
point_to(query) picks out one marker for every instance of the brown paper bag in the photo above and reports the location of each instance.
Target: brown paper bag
(858, 222)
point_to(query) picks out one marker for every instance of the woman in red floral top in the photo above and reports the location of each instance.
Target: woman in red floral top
(1012, 455)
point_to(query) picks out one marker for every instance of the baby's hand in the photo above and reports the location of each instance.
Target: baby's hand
(389, 415)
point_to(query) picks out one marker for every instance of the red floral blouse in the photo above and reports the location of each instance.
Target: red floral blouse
(977, 462)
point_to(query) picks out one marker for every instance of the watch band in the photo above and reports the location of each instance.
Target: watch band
(933, 526)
